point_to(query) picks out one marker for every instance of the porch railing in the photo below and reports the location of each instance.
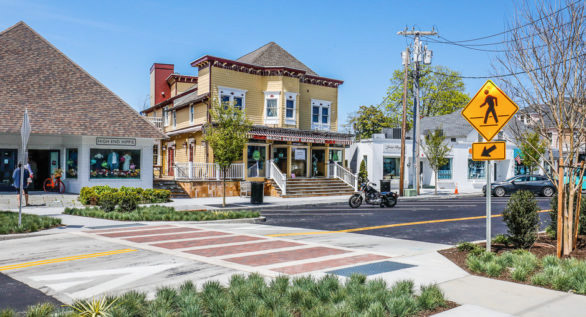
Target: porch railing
(336, 170)
(279, 178)
(157, 121)
(207, 171)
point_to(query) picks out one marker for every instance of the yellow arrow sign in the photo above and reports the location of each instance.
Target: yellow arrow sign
(485, 151)
(489, 110)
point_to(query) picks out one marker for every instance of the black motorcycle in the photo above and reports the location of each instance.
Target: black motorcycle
(372, 196)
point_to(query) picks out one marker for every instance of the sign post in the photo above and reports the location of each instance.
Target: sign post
(488, 112)
(25, 131)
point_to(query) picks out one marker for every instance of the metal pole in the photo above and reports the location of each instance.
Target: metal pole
(20, 195)
(488, 209)
(403, 127)
(417, 125)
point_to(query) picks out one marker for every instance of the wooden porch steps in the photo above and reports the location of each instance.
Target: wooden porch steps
(314, 187)
(171, 185)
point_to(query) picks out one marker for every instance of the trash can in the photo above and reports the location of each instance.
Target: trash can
(257, 192)
(385, 185)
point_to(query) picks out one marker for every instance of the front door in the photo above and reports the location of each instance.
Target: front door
(318, 163)
(7, 167)
(43, 164)
(280, 158)
(171, 162)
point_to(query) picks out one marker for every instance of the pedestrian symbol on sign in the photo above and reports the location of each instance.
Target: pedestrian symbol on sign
(492, 102)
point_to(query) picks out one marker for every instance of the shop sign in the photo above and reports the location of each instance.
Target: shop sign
(300, 154)
(391, 147)
(116, 141)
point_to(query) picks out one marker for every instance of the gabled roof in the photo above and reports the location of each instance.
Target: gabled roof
(61, 97)
(272, 55)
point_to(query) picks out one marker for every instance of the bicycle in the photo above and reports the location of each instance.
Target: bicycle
(50, 185)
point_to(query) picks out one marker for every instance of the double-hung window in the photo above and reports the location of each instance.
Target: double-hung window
(174, 118)
(272, 107)
(166, 116)
(191, 114)
(290, 108)
(320, 114)
(232, 96)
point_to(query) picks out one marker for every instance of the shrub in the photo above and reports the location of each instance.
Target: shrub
(553, 215)
(363, 172)
(470, 247)
(161, 196)
(93, 195)
(88, 196)
(7, 313)
(128, 201)
(501, 239)
(431, 297)
(108, 201)
(30, 223)
(522, 219)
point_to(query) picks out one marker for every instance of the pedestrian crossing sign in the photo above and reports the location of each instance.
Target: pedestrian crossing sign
(489, 110)
(489, 151)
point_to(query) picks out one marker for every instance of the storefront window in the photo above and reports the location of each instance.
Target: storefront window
(391, 167)
(299, 162)
(71, 163)
(336, 156)
(445, 171)
(114, 163)
(476, 170)
(280, 158)
(255, 162)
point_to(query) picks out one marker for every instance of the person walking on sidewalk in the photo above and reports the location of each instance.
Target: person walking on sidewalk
(16, 182)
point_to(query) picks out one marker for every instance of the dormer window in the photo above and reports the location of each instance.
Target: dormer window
(232, 96)
(272, 107)
(290, 108)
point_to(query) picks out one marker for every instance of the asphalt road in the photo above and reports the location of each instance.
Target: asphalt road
(429, 220)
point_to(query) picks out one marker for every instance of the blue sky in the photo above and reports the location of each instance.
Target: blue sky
(355, 41)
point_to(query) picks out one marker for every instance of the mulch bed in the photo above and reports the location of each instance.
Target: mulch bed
(449, 305)
(542, 247)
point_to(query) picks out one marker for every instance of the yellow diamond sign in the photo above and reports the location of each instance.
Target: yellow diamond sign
(489, 110)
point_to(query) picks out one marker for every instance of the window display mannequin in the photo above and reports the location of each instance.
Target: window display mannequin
(113, 161)
(126, 161)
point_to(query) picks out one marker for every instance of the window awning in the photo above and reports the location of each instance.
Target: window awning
(294, 135)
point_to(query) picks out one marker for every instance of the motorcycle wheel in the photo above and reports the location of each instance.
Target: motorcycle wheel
(355, 201)
(390, 202)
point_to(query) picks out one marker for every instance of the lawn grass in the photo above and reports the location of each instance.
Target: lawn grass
(160, 213)
(30, 223)
(253, 296)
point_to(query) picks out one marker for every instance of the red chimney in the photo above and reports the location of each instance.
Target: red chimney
(160, 90)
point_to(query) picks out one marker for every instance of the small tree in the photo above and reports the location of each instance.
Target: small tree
(226, 135)
(367, 121)
(362, 173)
(522, 219)
(532, 147)
(436, 150)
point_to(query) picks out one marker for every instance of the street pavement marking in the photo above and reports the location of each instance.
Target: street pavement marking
(387, 226)
(64, 259)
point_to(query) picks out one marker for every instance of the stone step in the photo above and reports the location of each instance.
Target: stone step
(313, 195)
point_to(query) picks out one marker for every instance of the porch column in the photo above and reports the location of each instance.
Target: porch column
(289, 159)
(308, 163)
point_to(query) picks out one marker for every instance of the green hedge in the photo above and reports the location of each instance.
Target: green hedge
(30, 223)
(160, 213)
(127, 197)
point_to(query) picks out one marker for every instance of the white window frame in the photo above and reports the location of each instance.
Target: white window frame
(321, 104)
(174, 118)
(231, 93)
(166, 116)
(291, 96)
(270, 95)
(191, 114)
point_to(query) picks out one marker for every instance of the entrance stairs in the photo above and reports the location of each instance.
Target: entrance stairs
(171, 185)
(311, 187)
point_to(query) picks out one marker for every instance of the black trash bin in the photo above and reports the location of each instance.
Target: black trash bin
(257, 192)
(385, 185)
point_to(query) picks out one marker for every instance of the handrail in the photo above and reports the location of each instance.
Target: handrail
(344, 174)
(207, 171)
(279, 178)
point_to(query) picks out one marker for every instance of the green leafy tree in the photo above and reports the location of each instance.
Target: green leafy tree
(436, 151)
(532, 147)
(367, 121)
(227, 137)
(442, 92)
(362, 173)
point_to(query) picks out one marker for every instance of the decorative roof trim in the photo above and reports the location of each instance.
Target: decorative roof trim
(209, 60)
(181, 79)
(295, 135)
(168, 101)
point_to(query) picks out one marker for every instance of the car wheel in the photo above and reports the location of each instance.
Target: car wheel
(499, 192)
(547, 191)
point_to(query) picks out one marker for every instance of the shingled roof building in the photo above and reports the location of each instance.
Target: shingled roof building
(293, 110)
(78, 125)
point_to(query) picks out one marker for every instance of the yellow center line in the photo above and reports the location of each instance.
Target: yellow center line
(386, 226)
(64, 259)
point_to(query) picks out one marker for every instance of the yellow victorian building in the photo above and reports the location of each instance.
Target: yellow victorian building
(294, 112)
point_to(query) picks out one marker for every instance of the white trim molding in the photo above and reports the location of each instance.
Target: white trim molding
(293, 97)
(272, 95)
(231, 93)
(321, 105)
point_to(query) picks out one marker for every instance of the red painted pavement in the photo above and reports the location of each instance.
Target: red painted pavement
(146, 232)
(242, 248)
(314, 266)
(285, 256)
(177, 236)
(128, 229)
(204, 242)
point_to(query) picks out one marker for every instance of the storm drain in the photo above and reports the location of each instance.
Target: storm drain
(372, 268)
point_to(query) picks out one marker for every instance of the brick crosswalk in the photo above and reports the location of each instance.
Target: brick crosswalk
(274, 254)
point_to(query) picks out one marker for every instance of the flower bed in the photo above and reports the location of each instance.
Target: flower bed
(160, 213)
(30, 223)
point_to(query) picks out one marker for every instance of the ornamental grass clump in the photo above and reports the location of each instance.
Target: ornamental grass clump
(520, 216)
(159, 213)
(29, 223)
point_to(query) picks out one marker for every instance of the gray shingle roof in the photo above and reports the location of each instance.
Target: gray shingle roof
(272, 55)
(453, 124)
(60, 96)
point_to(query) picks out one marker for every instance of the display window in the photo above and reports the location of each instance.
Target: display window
(255, 161)
(391, 167)
(476, 169)
(445, 171)
(114, 163)
(336, 156)
(298, 162)
(71, 163)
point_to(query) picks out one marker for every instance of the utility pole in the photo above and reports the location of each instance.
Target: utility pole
(420, 55)
(405, 57)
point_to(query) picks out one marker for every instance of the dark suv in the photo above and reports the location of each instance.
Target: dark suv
(537, 184)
